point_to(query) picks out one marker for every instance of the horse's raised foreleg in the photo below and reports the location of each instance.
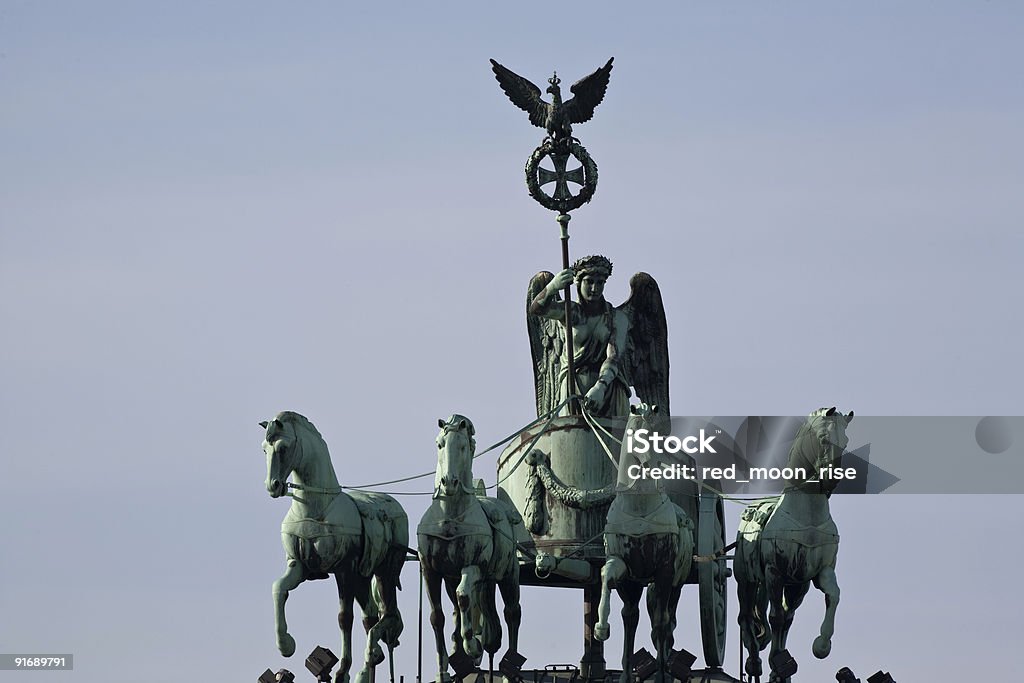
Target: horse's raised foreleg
(613, 571)
(466, 594)
(345, 618)
(630, 594)
(827, 584)
(292, 577)
(433, 582)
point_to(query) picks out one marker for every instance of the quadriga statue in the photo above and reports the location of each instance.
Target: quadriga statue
(361, 538)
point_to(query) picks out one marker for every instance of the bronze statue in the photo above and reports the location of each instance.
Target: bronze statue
(556, 116)
(648, 542)
(467, 542)
(786, 543)
(362, 538)
(614, 348)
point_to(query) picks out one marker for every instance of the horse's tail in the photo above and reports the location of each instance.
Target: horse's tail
(490, 625)
(762, 634)
(388, 629)
(399, 549)
(753, 594)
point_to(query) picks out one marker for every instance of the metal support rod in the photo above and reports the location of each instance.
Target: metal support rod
(419, 634)
(570, 381)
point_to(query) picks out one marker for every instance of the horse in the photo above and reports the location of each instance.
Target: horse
(785, 544)
(361, 538)
(648, 541)
(467, 542)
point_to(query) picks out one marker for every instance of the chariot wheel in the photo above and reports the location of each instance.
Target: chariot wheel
(712, 578)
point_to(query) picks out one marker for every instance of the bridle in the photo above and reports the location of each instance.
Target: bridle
(463, 487)
(304, 487)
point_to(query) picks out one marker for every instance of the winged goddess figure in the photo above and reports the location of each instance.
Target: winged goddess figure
(555, 116)
(615, 348)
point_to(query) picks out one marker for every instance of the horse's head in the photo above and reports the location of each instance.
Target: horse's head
(281, 444)
(455, 448)
(820, 444)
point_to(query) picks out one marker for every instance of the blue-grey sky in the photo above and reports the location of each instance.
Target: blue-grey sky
(211, 212)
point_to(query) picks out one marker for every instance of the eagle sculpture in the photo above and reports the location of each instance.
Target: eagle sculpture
(556, 116)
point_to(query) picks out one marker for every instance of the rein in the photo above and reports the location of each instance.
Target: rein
(313, 489)
(437, 495)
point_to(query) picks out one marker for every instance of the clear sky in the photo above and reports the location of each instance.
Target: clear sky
(210, 212)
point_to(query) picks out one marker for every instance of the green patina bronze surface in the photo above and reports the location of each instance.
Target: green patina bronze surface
(785, 544)
(360, 538)
(648, 543)
(467, 545)
(614, 347)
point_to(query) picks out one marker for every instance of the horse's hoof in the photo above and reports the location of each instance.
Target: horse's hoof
(602, 632)
(286, 645)
(783, 666)
(473, 648)
(821, 647)
(364, 676)
(375, 655)
(341, 677)
(753, 666)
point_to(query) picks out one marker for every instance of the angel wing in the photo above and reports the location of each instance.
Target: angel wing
(647, 356)
(546, 342)
(525, 94)
(588, 92)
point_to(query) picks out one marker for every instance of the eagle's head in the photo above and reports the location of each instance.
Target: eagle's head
(553, 88)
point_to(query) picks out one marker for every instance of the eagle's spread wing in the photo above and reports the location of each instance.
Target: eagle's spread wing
(647, 360)
(546, 341)
(524, 94)
(588, 91)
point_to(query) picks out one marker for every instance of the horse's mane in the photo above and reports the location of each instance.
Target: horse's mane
(810, 421)
(451, 424)
(300, 422)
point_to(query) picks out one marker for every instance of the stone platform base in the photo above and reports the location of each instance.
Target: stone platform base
(570, 674)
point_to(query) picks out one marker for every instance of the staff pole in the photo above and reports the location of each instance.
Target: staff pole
(570, 351)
